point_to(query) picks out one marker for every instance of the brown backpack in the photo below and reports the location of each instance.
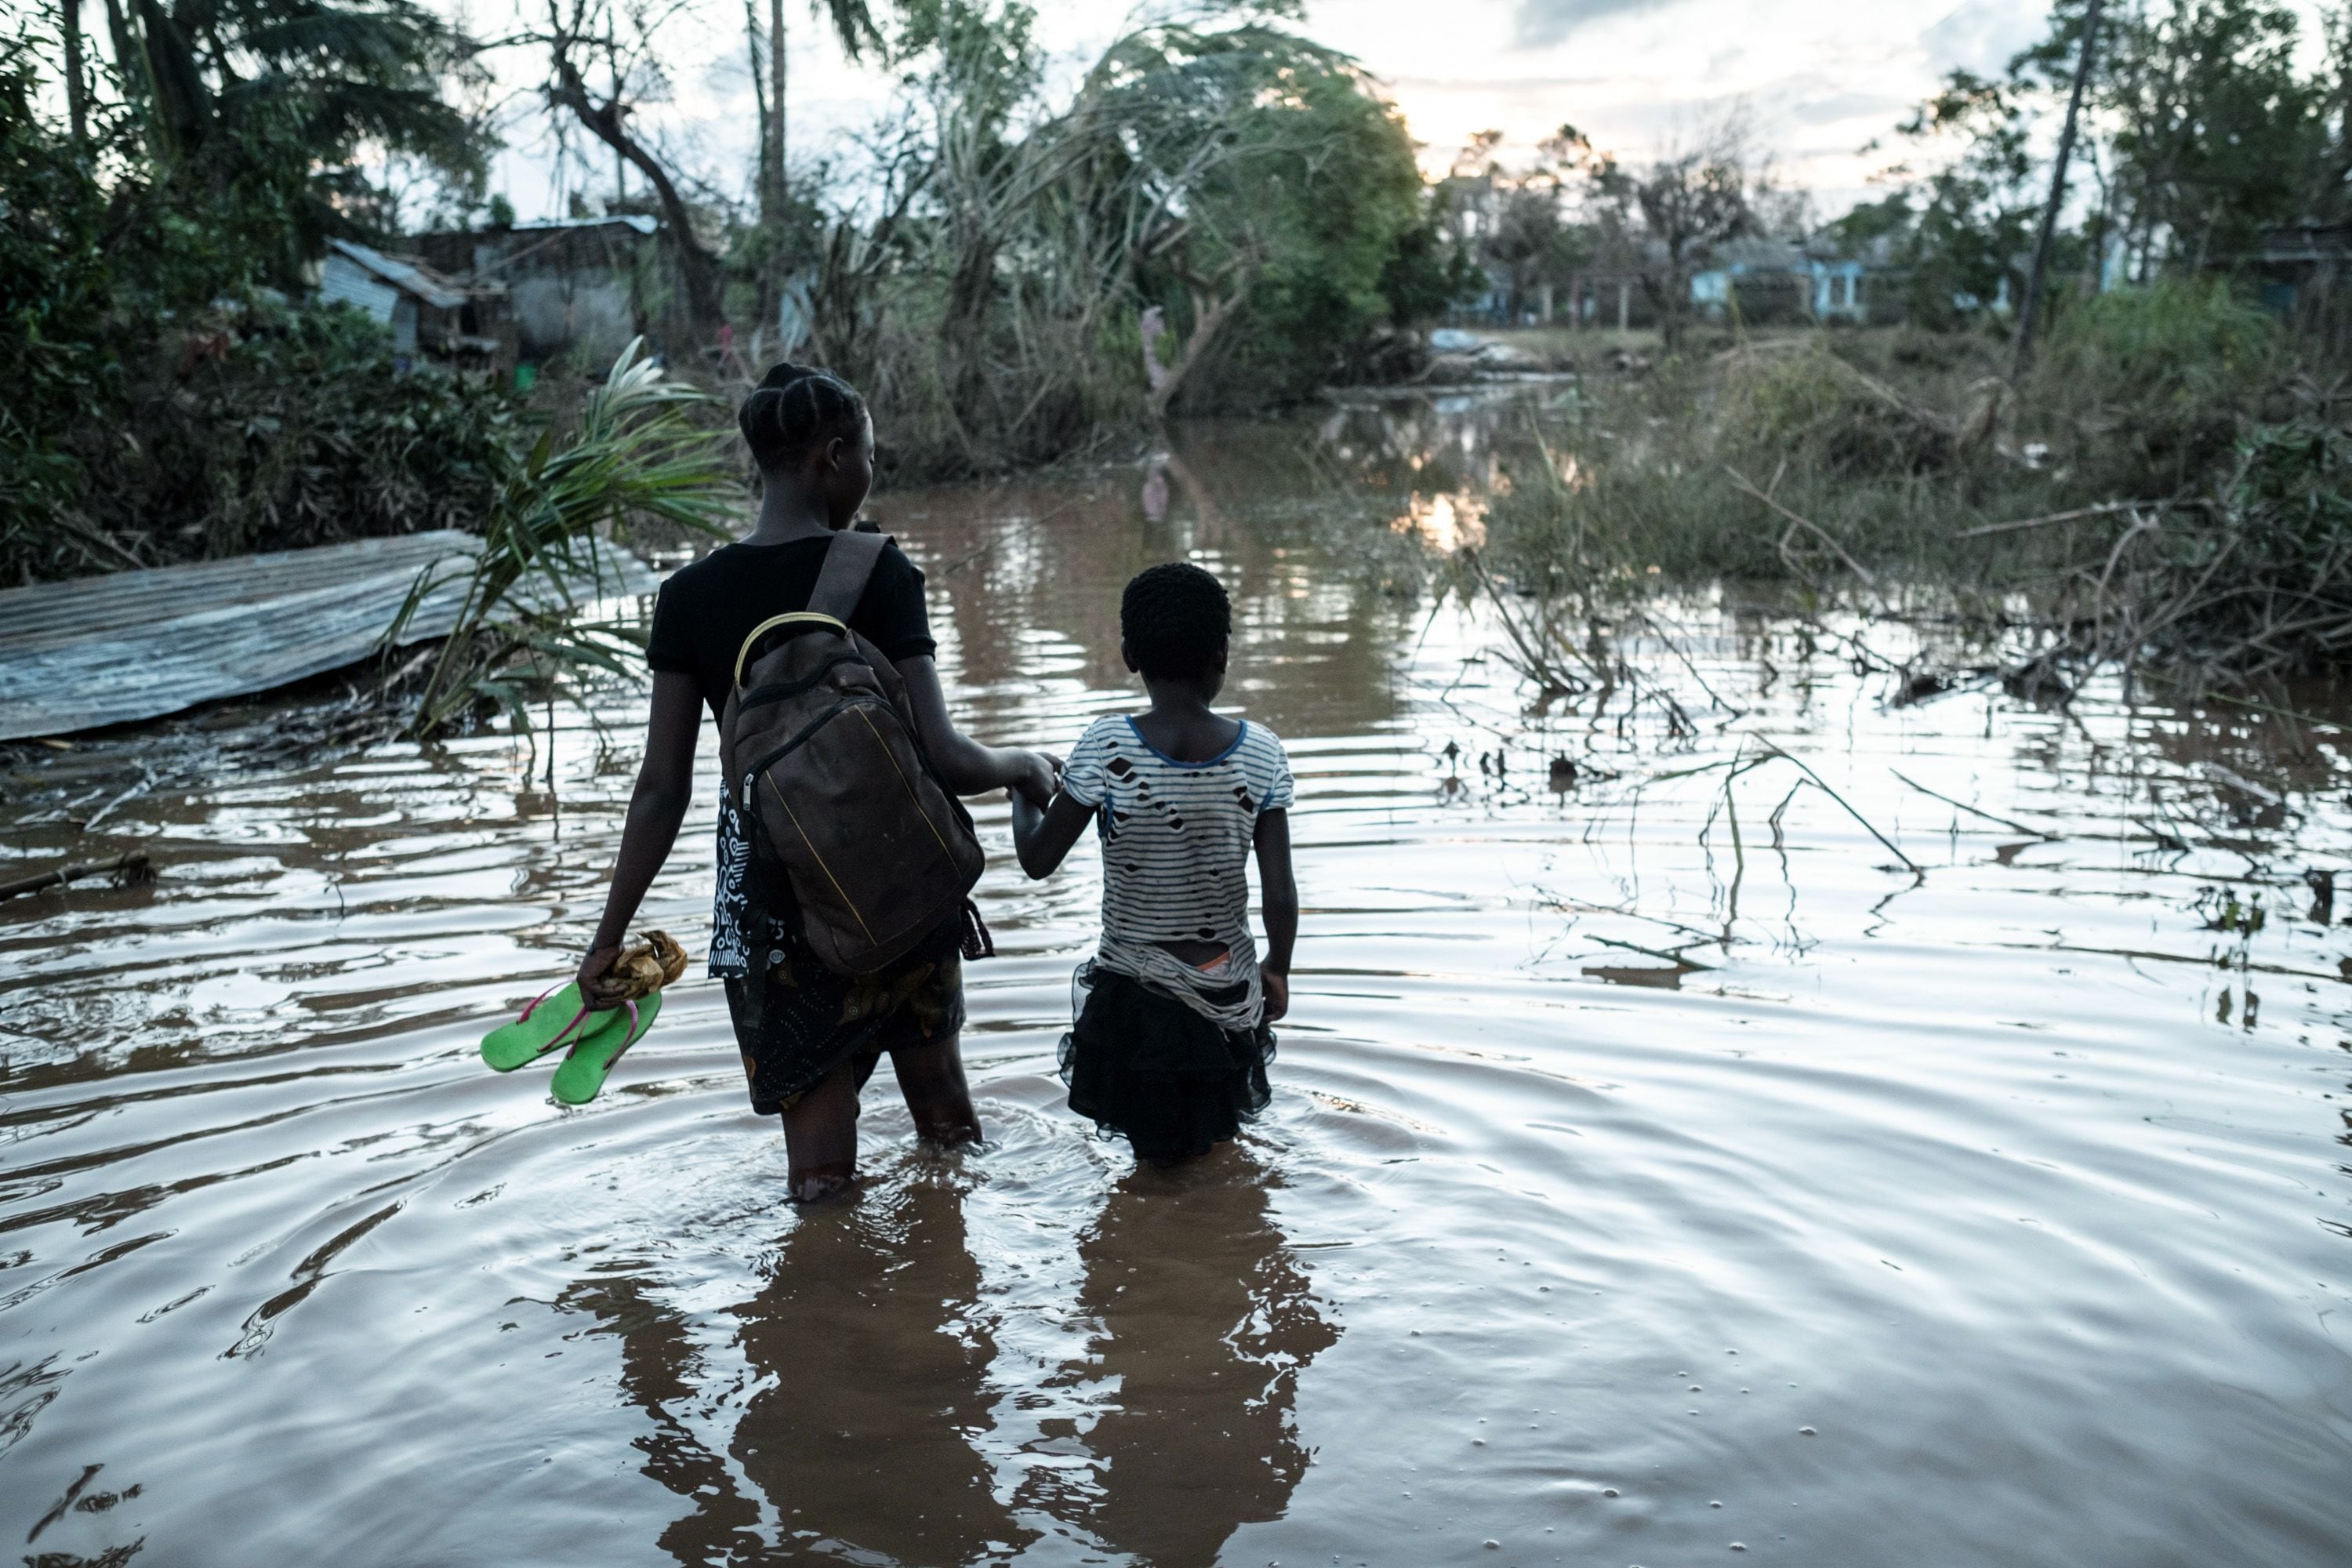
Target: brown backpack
(818, 749)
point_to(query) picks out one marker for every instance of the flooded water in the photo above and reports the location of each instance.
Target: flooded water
(1658, 1169)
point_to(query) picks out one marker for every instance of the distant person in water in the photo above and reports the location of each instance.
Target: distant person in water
(810, 1038)
(1170, 1046)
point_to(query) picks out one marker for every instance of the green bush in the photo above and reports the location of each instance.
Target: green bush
(304, 432)
(1813, 411)
(2142, 391)
(160, 405)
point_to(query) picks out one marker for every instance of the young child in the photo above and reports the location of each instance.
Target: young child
(1170, 1046)
(810, 1038)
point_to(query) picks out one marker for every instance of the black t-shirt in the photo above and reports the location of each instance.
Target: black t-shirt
(708, 607)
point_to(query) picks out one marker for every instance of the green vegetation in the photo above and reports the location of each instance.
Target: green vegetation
(1241, 187)
(2168, 493)
(636, 455)
(166, 402)
(987, 274)
(2157, 486)
(1220, 215)
(2200, 130)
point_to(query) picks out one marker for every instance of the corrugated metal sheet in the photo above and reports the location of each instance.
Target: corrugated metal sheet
(137, 645)
(641, 222)
(340, 278)
(406, 276)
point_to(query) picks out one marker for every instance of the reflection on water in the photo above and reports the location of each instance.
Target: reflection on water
(1206, 1323)
(872, 1358)
(1656, 1164)
(865, 1433)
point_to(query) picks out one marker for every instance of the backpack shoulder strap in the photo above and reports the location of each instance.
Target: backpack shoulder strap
(849, 563)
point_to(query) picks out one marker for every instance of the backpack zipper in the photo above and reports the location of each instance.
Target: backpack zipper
(766, 694)
(752, 773)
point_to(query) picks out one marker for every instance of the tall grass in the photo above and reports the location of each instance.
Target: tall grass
(2164, 493)
(1695, 473)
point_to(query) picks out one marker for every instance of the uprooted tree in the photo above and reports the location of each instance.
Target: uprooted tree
(1247, 180)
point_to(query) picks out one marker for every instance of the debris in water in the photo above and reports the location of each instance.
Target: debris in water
(1920, 685)
(132, 867)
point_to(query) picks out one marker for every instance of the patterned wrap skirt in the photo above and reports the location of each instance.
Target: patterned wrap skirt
(796, 1020)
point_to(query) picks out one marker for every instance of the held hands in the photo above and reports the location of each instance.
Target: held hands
(1041, 775)
(1276, 989)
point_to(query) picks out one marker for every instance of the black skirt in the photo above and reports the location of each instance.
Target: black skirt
(1143, 1065)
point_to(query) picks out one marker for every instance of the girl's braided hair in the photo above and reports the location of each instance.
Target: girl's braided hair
(1175, 618)
(796, 409)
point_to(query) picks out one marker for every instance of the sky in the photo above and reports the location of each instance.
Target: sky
(1816, 79)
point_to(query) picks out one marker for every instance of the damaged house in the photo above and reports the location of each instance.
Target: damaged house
(583, 286)
(431, 316)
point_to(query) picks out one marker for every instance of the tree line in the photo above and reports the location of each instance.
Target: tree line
(1218, 198)
(983, 258)
(2204, 124)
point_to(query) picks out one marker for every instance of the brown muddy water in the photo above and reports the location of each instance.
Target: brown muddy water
(1652, 1176)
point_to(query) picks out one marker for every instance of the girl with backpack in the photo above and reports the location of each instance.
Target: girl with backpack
(838, 922)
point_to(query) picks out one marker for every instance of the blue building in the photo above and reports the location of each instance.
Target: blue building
(1770, 277)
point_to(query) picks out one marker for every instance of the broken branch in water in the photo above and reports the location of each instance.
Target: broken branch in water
(2102, 510)
(103, 812)
(133, 867)
(1977, 811)
(1674, 958)
(1820, 784)
(1731, 708)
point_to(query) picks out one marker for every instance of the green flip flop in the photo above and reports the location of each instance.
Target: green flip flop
(581, 1072)
(557, 1018)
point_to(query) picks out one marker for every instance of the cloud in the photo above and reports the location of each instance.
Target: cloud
(1981, 35)
(1542, 22)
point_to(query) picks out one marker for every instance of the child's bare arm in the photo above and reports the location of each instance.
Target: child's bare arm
(1041, 839)
(1279, 898)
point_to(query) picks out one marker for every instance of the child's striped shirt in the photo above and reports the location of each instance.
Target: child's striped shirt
(1176, 842)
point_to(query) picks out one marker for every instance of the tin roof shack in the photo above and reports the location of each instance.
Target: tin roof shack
(430, 315)
(587, 285)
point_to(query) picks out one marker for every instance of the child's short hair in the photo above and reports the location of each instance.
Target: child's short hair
(1175, 619)
(796, 409)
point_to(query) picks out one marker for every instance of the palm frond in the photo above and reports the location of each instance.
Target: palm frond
(636, 454)
(853, 25)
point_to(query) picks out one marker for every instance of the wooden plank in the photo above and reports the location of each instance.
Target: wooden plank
(138, 645)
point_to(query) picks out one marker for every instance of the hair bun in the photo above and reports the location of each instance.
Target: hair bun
(794, 409)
